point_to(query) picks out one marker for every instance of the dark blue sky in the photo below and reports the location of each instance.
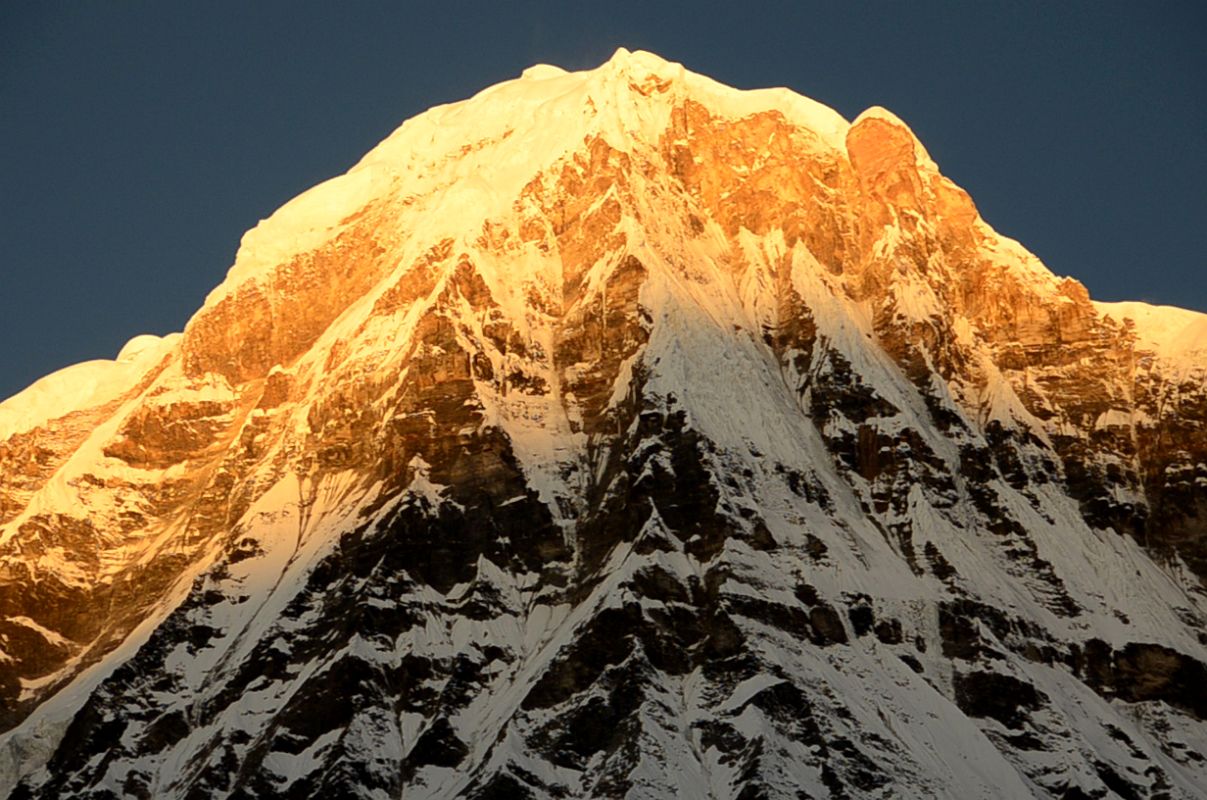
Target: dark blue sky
(138, 140)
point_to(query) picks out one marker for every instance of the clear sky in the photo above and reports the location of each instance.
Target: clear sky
(138, 140)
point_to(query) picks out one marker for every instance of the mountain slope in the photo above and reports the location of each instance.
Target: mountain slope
(618, 433)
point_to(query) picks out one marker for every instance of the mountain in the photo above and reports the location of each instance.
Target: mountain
(618, 434)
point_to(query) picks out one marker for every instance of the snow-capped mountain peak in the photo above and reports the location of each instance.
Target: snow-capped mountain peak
(617, 433)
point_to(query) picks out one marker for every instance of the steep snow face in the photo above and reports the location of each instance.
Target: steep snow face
(617, 433)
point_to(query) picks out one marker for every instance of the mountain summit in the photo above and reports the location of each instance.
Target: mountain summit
(618, 434)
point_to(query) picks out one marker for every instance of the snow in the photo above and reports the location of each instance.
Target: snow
(1113, 418)
(549, 111)
(82, 386)
(302, 224)
(1177, 335)
(26, 747)
(540, 72)
(52, 637)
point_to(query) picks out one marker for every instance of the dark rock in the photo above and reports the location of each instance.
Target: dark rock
(1001, 697)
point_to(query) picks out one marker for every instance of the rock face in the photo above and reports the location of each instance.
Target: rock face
(618, 434)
